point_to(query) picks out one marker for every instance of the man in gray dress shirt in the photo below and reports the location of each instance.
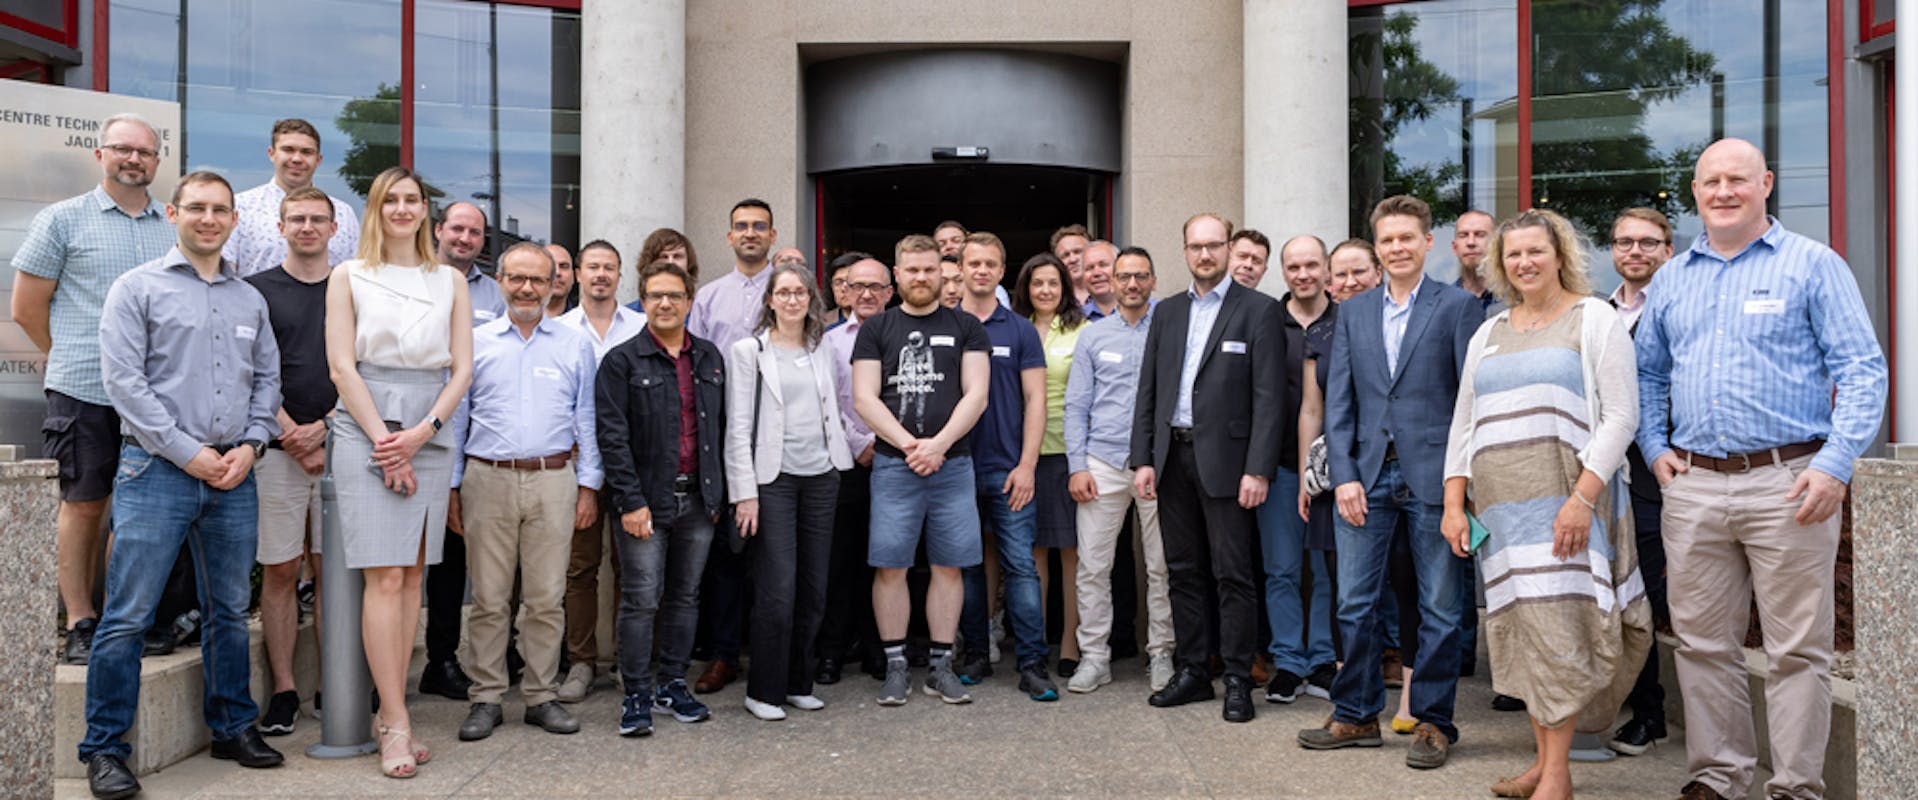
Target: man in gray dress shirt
(189, 361)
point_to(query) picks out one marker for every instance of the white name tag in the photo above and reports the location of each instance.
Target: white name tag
(1110, 357)
(1232, 347)
(245, 332)
(546, 372)
(1764, 306)
(483, 315)
(1061, 351)
(1001, 352)
(940, 341)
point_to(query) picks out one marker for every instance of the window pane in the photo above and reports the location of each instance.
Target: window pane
(1433, 110)
(1628, 93)
(499, 126)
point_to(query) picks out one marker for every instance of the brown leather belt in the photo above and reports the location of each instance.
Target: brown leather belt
(554, 461)
(1745, 462)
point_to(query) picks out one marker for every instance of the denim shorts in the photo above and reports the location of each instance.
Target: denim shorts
(940, 504)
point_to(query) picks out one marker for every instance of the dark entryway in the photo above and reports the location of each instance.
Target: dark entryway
(871, 209)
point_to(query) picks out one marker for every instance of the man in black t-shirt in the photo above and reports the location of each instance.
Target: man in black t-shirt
(288, 477)
(919, 381)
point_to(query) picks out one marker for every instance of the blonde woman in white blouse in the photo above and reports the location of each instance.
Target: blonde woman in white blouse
(399, 345)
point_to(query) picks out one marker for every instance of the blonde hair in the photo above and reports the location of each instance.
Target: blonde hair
(373, 231)
(1574, 261)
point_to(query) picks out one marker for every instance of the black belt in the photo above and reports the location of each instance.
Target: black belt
(1182, 435)
(684, 482)
(218, 449)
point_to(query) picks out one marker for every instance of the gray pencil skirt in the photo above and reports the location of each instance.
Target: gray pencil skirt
(380, 527)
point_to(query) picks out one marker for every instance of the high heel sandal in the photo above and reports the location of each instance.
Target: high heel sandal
(1510, 787)
(403, 766)
(421, 753)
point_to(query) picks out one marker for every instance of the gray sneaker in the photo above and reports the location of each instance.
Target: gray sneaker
(1162, 669)
(898, 684)
(943, 683)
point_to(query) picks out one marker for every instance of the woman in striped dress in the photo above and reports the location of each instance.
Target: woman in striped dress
(1546, 408)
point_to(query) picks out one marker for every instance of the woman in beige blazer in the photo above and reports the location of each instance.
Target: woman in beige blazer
(785, 445)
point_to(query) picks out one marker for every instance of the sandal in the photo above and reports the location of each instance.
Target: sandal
(404, 765)
(1510, 787)
(421, 753)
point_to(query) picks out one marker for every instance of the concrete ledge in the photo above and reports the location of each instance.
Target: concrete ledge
(1841, 749)
(169, 725)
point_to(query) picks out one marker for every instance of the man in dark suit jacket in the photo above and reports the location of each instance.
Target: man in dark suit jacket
(1396, 357)
(1212, 382)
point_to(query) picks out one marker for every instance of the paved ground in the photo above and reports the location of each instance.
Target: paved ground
(1109, 743)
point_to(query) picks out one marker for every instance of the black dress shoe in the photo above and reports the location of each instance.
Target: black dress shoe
(1637, 735)
(1189, 685)
(157, 641)
(109, 779)
(446, 679)
(80, 642)
(874, 665)
(1506, 702)
(1238, 699)
(248, 749)
(481, 719)
(828, 671)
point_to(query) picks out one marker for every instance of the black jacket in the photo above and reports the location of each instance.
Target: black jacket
(637, 410)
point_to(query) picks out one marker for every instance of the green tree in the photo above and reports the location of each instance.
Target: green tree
(1392, 86)
(373, 125)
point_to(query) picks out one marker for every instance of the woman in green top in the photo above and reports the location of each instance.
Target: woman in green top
(1040, 295)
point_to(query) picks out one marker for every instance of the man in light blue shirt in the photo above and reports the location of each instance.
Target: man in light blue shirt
(1756, 353)
(1101, 392)
(72, 252)
(530, 409)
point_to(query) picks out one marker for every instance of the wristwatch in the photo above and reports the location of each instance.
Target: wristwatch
(259, 447)
(436, 422)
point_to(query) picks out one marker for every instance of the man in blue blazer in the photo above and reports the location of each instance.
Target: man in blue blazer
(1205, 444)
(1396, 357)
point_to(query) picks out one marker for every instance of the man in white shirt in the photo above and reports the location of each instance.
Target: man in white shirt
(256, 245)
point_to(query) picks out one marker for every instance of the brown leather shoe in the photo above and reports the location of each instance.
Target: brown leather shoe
(1262, 670)
(1429, 747)
(1697, 790)
(717, 675)
(1335, 734)
(1392, 668)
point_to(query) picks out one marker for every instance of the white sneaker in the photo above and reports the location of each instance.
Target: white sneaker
(805, 702)
(765, 711)
(579, 681)
(1090, 676)
(1162, 670)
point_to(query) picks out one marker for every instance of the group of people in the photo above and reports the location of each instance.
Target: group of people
(766, 463)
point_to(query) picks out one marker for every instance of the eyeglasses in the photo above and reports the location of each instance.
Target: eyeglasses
(1132, 277)
(665, 297)
(756, 226)
(863, 288)
(789, 295)
(128, 151)
(302, 220)
(1196, 248)
(839, 283)
(1647, 244)
(523, 280)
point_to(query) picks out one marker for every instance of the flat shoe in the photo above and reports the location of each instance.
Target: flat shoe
(1510, 787)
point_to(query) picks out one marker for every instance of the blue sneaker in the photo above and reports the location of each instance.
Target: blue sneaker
(676, 699)
(635, 716)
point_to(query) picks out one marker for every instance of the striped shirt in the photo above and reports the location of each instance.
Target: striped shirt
(1742, 354)
(84, 243)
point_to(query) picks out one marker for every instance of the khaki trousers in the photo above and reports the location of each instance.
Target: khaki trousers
(1100, 522)
(517, 520)
(1728, 536)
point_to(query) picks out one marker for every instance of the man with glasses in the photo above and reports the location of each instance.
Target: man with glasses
(660, 409)
(725, 312)
(848, 618)
(256, 245)
(72, 252)
(1212, 381)
(528, 411)
(288, 473)
(1100, 395)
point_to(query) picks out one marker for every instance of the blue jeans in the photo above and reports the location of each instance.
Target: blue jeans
(659, 583)
(156, 508)
(906, 505)
(1299, 642)
(1358, 693)
(1018, 573)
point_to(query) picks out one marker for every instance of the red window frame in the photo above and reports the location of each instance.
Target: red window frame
(1868, 30)
(68, 34)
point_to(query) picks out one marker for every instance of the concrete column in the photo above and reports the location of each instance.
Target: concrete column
(632, 124)
(1884, 566)
(29, 501)
(1296, 177)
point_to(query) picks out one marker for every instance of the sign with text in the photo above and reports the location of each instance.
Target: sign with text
(49, 134)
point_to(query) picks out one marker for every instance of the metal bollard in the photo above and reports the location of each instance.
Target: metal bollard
(346, 727)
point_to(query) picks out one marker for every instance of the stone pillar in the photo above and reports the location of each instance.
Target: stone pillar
(632, 124)
(1884, 567)
(29, 502)
(1296, 178)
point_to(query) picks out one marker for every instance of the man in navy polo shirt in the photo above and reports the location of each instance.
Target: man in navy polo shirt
(1005, 452)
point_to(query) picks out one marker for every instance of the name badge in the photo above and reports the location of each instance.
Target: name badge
(940, 341)
(1061, 351)
(546, 372)
(1001, 352)
(1764, 306)
(1232, 347)
(484, 315)
(1110, 357)
(245, 332)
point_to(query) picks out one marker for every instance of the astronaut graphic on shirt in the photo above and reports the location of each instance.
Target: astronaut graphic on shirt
(917, 378)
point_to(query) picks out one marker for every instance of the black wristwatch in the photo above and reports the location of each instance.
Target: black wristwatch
(259, 447)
